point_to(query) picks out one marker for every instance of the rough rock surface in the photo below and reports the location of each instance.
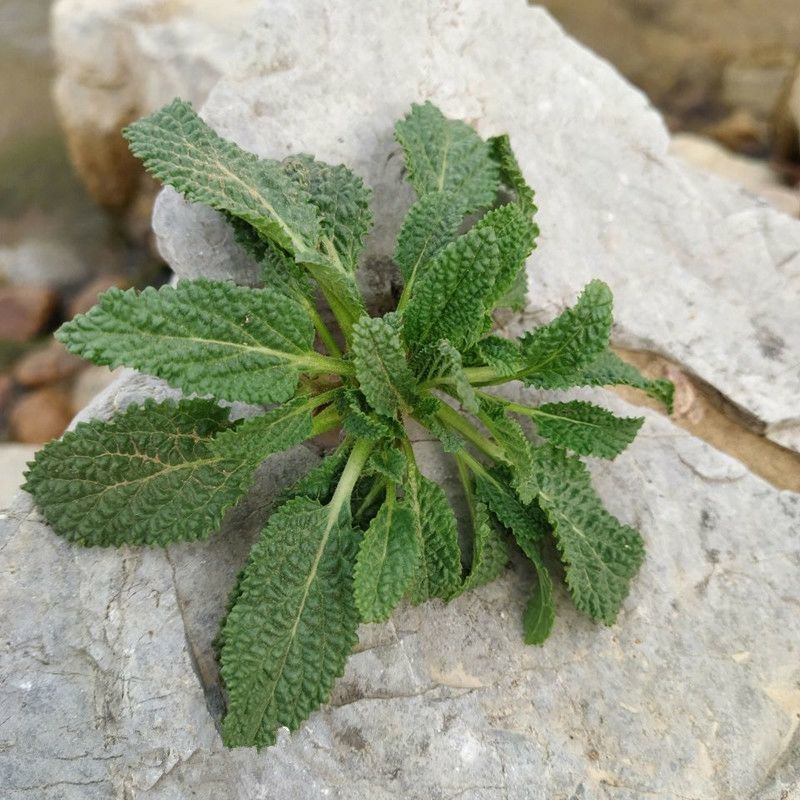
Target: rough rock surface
(109, 689)
(701, 271)
(752, 174)
(119, 59)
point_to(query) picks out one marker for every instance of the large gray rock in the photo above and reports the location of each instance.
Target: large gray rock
(110, 689)
(109, 685)
(702, 272)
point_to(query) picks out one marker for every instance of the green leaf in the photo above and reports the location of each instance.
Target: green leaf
(386, 563)
(387, 461)
(511, 174)
(517, 449)
(516, 238)
(516, 296)
(540, 611)
(279, 270)
(430, 225)
(342, 201)
(609, 369)
(600, 554)
(503, 355)
(149, 476)
(573, 340)
(489, 550)
(586, 429)
(320, 482)
(288, 636)
(444, 154)
(443, 362)
(451, 297)
(381, 368)
(361, 422)
(527, 522)
(438, 571)
(179, 149)
(529, 526)
(202, 336)
(256, 438)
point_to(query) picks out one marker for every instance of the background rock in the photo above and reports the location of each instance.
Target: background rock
(39, 262)
(40, 415)
(47, 364)
(120, 59)
(14, 459)
(114, 648)
(24, 311)
(696, 61)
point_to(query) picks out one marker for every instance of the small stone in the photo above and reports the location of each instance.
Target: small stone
(741, 132)
(48, 364)
(37, 262)
(24, 311)
(6, 385)
(87, 296)
(40, 415)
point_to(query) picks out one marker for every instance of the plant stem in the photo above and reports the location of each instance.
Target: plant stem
(475, 465)
(326, 420)
(460, 424)
(376, 489)
(324, 333)
(464, 476)
(316, 400)
(485, 376)
(409, 451)
(352, 469)
(319, 364)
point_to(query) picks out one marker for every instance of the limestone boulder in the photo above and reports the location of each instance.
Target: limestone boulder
(110, 688)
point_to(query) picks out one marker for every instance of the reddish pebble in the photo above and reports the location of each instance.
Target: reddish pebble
(24, 311)
(48, 364)
(40, 416)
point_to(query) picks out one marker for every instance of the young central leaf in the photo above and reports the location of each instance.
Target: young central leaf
(148, 477)
(451, 297)
(342, 200)
(444, 364)
(381, 367)
(444, 154)
(202, 336)
(431, 224)
(293, 626)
